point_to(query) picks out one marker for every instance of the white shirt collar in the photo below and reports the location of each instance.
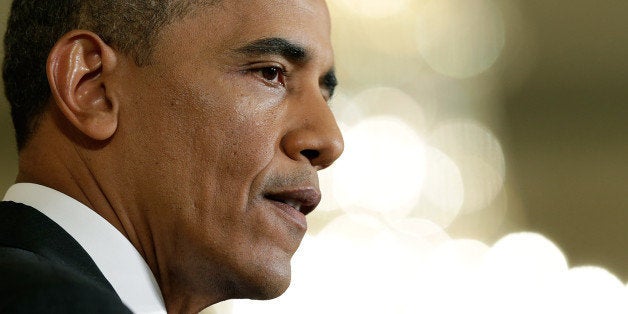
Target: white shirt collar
(114, 255)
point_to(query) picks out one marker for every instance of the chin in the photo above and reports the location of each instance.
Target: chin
(268, 283)
(274, 290)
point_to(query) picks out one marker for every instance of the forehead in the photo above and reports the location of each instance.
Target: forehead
(232, 23)
(275, 14)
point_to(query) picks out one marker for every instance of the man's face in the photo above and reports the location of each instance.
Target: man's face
(223, 134)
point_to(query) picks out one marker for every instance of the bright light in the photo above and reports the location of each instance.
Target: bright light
(520, 266)
(479, 157)
(421, 230)
(460, 38)
(345, 110)
(382, 168)
(443, 189)
(328, 201)
(388, 101)
(524, 257)
(359, 264)
(449, 282)
(591, 290)
(356, 258)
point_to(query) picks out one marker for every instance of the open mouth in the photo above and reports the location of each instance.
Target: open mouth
(303, 200)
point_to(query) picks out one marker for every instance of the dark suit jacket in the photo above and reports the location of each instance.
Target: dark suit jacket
(44, 270)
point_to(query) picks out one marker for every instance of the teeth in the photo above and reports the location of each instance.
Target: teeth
(294, 204)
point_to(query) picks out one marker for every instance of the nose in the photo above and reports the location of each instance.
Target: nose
(314, 135)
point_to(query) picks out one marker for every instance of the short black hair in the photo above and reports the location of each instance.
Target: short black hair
(129, 26)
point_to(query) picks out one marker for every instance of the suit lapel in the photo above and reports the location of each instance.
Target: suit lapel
(25, 228)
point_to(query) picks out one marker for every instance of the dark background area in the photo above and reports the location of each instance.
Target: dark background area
(566, 130)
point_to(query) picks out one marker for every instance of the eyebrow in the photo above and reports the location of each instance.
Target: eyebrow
(293, 52)
(275, 46)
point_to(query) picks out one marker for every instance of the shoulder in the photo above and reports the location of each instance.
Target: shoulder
(33, 284)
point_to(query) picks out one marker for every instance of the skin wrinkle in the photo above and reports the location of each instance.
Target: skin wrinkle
(129, 230)
(201, 138)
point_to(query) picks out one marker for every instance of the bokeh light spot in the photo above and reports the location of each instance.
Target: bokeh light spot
(525, 256)
(388, 101)
(359, 264)
(521, 265)
(591, 289)
(443, 190)
(420, 229)
(382, 168)
(345, 110)
(479, 157)
(460, 38)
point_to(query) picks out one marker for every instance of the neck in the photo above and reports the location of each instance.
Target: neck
(53, 160)
(54, 157)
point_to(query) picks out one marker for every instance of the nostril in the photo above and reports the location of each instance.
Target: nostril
(310, 154)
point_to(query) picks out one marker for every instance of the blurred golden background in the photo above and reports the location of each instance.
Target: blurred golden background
(469, 119)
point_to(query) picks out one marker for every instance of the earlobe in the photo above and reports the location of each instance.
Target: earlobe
(77, 71)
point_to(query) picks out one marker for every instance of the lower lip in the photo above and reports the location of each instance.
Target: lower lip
(291, 214)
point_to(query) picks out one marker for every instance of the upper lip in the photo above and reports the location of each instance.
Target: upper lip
(304, 199)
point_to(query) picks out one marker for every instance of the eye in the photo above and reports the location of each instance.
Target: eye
(274, 75)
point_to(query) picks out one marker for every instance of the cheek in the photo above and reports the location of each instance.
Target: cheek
(231, 175)
(252, 148)
(243, 135)
(231, 151)
(226, 136)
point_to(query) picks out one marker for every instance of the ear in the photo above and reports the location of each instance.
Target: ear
(77, 68)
